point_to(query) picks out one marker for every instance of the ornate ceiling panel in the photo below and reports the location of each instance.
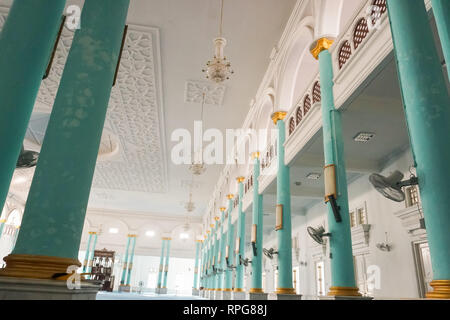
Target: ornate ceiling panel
(134, 114)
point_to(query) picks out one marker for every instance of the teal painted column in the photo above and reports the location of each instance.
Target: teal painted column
(239, 286)
(92, 252)
(26, 42)
(257, 223)
(441, 10)
(284, 231)
(56, 205)
(216, 255)
(125, 261)
(202, 264)
(342, 270)
(228, 285)
(86, 256)
(166, 267)
(426, 104)
(130, 261)
(161, 264)
(222, 243)
(2, 225)
(208, 261)
(197, 248)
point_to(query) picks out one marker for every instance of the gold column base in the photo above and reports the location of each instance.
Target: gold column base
(344, 291)
(238, 290)
(227, 290)
(256, 290)
(285, 291)
(35, 266)
(441, 289)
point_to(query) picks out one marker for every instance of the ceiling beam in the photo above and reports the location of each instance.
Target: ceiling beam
(353, 165)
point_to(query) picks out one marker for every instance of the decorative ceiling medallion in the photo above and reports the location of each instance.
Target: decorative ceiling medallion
(214, 93)
(134, 114)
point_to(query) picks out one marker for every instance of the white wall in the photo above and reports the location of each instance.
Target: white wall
(397, 267)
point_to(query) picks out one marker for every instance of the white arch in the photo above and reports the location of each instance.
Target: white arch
(296, 63)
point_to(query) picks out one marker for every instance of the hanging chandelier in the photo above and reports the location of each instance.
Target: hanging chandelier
(219, 69)
(198, 167)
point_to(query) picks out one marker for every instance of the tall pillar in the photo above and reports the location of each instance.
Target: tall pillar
(228, 285)
(217, 254)
(240, 249)
(161, 266)
(441, 10)
(284, 229)
(130, 260)
(26, 42)
(86, 256)
(426, 103)
(207, 261)
(257, 224)
(166, 266)
(222, 244)
(125, 262)
(342, 270)
(92, 252)
(55, 211)
(16, 234)
(196, 271)
(2, 225)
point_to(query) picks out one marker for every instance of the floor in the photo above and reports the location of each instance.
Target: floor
(146, 296)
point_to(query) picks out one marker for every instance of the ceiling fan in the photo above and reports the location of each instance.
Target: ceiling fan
(391, 186)
(27, 159)
(317, 234)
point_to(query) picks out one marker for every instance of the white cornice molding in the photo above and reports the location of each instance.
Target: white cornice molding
(121, 214)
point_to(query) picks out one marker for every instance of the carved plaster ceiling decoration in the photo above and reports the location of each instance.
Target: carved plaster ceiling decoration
(214, 93)
(134, 114)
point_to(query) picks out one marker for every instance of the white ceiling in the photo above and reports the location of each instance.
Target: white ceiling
(168, 43)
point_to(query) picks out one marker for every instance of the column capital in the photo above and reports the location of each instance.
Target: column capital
(279, 115)
(240, 179)
(92, 232)
(320, 45)
(216, 218)
(212, 225)
(230, 196)
(166, 238)
(3, 221)
(223, 209)
(199, 241)
(132, 235)
(255, 155)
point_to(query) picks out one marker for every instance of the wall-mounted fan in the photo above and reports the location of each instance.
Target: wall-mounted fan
(269, 252)
(230, 266)
(244, 262)
(27, 159)
(317, 234)
(391, 187)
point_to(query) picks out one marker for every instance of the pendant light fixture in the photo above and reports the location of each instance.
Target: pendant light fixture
(198, 167)
(219, 69)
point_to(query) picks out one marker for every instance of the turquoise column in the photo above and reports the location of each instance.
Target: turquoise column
(229, 273)
(26, 42)
(166, 267)
(130, 261)
(223, 262)
(284, 231)
(86, 256)
(161, 264)
(56, 206)
(257, 223)
(239, 287)
(202, 264)
(342, 271)
(197, 248)
(441, 10)
(426, 104)
(2, 225)
(91, 259)
(125, 262)
(208, 262)
(216, 255)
